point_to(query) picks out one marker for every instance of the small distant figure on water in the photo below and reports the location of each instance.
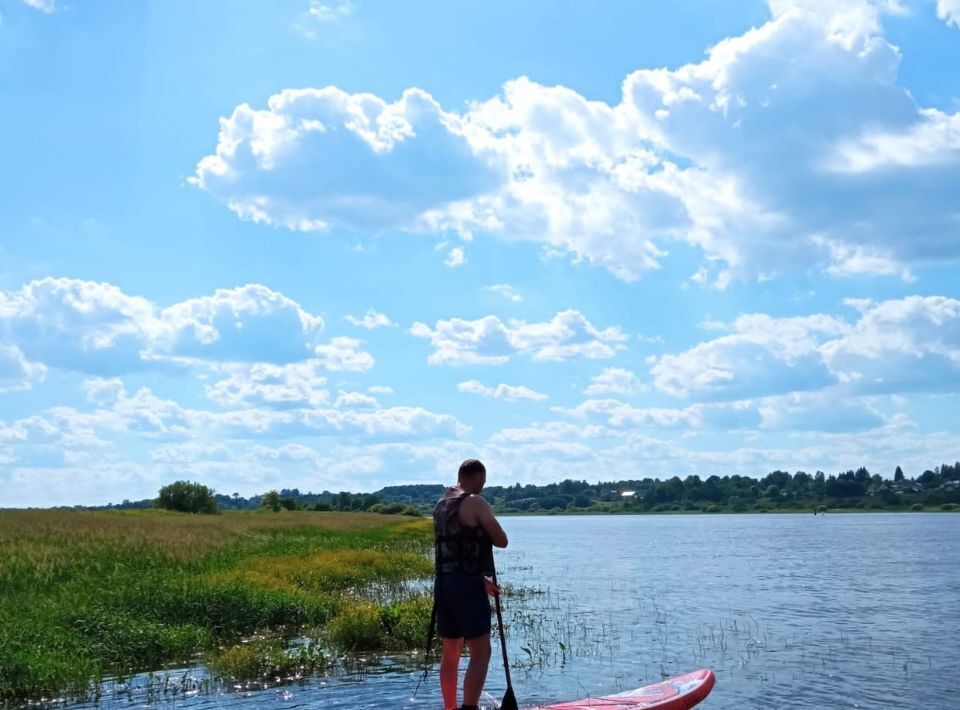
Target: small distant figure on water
(466, 531)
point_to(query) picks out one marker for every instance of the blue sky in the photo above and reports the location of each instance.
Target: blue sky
(339, 245)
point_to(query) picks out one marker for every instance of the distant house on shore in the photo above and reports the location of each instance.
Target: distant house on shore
(627, 494)
(912, 486)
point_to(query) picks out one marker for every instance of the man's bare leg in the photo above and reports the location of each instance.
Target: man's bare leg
(449, 667)
(477, 669)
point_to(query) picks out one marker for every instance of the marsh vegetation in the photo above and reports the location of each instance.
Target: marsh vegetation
(90, 595)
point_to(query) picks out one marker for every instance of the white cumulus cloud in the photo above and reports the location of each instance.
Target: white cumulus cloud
(501, 391)
(620, 415)
(344, 354)
(763, 355)
(490, 341)
(455, 258)
(370, 320)
(45, 6)
(16, 372)
(901, 345)
(104, 392)
(98, 329)
(267, 167)
(356, 400)
(189, 453)
(779, 151)
(507, 291)
(949, 11)
(250, 323)
(827, 411)
(78, 325)
(267, 385)
(329, 11)
(614, 380)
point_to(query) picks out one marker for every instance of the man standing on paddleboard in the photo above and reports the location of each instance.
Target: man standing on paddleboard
(466, 532)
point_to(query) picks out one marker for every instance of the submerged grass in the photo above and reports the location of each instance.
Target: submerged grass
(373, 627)
(86, 595)
(328, 571)
(262, 659)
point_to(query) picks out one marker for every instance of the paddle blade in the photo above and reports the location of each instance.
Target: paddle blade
(509, 700)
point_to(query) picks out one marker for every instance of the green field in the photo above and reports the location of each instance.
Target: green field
(89, 595)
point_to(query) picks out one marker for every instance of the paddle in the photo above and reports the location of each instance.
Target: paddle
(509, 699)
(431, 629)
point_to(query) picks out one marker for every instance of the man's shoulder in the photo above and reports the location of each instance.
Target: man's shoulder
(475, 500)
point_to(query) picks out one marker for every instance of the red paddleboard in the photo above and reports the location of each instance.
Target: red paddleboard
(678, 693)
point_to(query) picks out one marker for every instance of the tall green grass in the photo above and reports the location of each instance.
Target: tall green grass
(87, 595)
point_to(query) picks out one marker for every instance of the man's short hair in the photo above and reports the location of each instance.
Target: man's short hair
(470, 468)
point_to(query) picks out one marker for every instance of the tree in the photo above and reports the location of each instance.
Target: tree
(889, 497)
(844, 486)
(187, 497)
(271, 500)
(928, 478)
(898, 474)
(802, 483)
(950, 473)
(780, 479)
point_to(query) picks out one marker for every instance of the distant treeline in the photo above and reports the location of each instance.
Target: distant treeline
(777, 490)
(934, 488)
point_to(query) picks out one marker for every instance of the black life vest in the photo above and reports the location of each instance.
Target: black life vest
(459, 547)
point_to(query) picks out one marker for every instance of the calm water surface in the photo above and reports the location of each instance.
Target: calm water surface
(790, 611)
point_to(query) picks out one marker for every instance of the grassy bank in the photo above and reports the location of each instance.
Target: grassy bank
(86, 595)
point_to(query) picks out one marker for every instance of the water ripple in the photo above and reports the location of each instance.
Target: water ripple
(791, 611)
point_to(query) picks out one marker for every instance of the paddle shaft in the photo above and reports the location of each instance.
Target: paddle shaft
(503, 638)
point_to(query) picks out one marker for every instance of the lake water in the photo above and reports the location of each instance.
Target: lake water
(790, 611)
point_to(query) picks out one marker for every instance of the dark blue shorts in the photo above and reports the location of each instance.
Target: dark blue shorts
(463, 609)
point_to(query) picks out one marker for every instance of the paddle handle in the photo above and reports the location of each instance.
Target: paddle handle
(503, 638)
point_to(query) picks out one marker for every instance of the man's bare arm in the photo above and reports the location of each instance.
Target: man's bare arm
(488, 521)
